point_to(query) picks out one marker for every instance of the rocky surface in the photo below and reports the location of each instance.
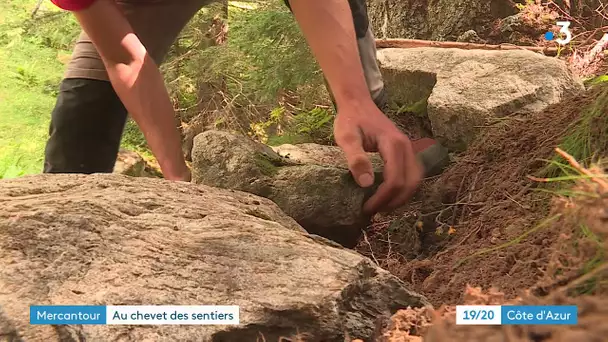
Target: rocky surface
(129, 163)
(467, 89)
(527, 27)
(322, 197)
(470, 36)
(435, 20)
(310, 153)
(434, 158)
(118, 240)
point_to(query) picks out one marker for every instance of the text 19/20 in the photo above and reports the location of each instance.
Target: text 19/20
(477, 315)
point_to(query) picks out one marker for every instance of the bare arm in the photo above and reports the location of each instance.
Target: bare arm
(330, 32)
(137, 81)
(359, 126)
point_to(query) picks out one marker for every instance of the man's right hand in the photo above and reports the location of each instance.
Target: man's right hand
(361, 128)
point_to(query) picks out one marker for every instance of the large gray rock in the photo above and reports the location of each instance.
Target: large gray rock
(472, 88)
(433, 157)
(310, 153)
(324, 199)
(435, 20)
(118, 240)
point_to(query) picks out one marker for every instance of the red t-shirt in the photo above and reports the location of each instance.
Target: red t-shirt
(73, 5)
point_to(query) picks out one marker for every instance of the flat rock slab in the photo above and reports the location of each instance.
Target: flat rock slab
(119, 240)
(468, 89)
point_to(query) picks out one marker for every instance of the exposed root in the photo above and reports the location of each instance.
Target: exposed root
(582, 170)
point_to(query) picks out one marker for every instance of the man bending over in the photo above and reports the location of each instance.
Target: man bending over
(114, 71)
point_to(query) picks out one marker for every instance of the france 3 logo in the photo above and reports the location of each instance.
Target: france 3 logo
(565, 30)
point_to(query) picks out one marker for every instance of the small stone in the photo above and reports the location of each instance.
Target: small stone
(470, 36)
(129, 163)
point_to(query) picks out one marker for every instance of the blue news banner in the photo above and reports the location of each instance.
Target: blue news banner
(516, 315)
(134, 314)
(229, 315)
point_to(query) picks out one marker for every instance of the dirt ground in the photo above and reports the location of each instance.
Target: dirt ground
(485, 223)
(439, 325)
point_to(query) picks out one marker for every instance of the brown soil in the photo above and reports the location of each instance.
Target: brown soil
(439, 325)
(565, 276)
(484, 223)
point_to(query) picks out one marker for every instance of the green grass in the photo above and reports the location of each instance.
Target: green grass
(288, 138)
(596, 80)
(563, 187)
(585, 139)
(29, 75)
(30, 72)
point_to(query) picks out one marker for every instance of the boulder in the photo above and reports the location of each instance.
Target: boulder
(323, 198)
(310, 153)
(435, 20)
(432, 156)
(309, 182)
(117, 240)
(467, 89)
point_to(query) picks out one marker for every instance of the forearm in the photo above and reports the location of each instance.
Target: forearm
(330, 33)
(137, 81)
(141, 88)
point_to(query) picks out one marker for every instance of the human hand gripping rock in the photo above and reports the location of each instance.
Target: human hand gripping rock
(364, 128)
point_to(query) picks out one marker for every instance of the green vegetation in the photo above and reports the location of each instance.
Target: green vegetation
(584, 253)
(33, 53)
(585, 138)
(598, 259)
(418, 108)
(263, 81)
(31, 71)
(266, 164)
(596, 80)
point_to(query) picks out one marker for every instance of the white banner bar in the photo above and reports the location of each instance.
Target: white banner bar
(170, 314)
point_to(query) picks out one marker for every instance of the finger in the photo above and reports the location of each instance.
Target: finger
(413, 177)
(358, 162)
(393, 176)
(413, 174)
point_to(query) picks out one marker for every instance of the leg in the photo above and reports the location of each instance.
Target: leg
(86, 127)
(88, 118)
(375, 83)
(367, 52)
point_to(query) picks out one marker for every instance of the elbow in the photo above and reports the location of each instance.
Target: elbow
(125, 73)
(126, 64)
